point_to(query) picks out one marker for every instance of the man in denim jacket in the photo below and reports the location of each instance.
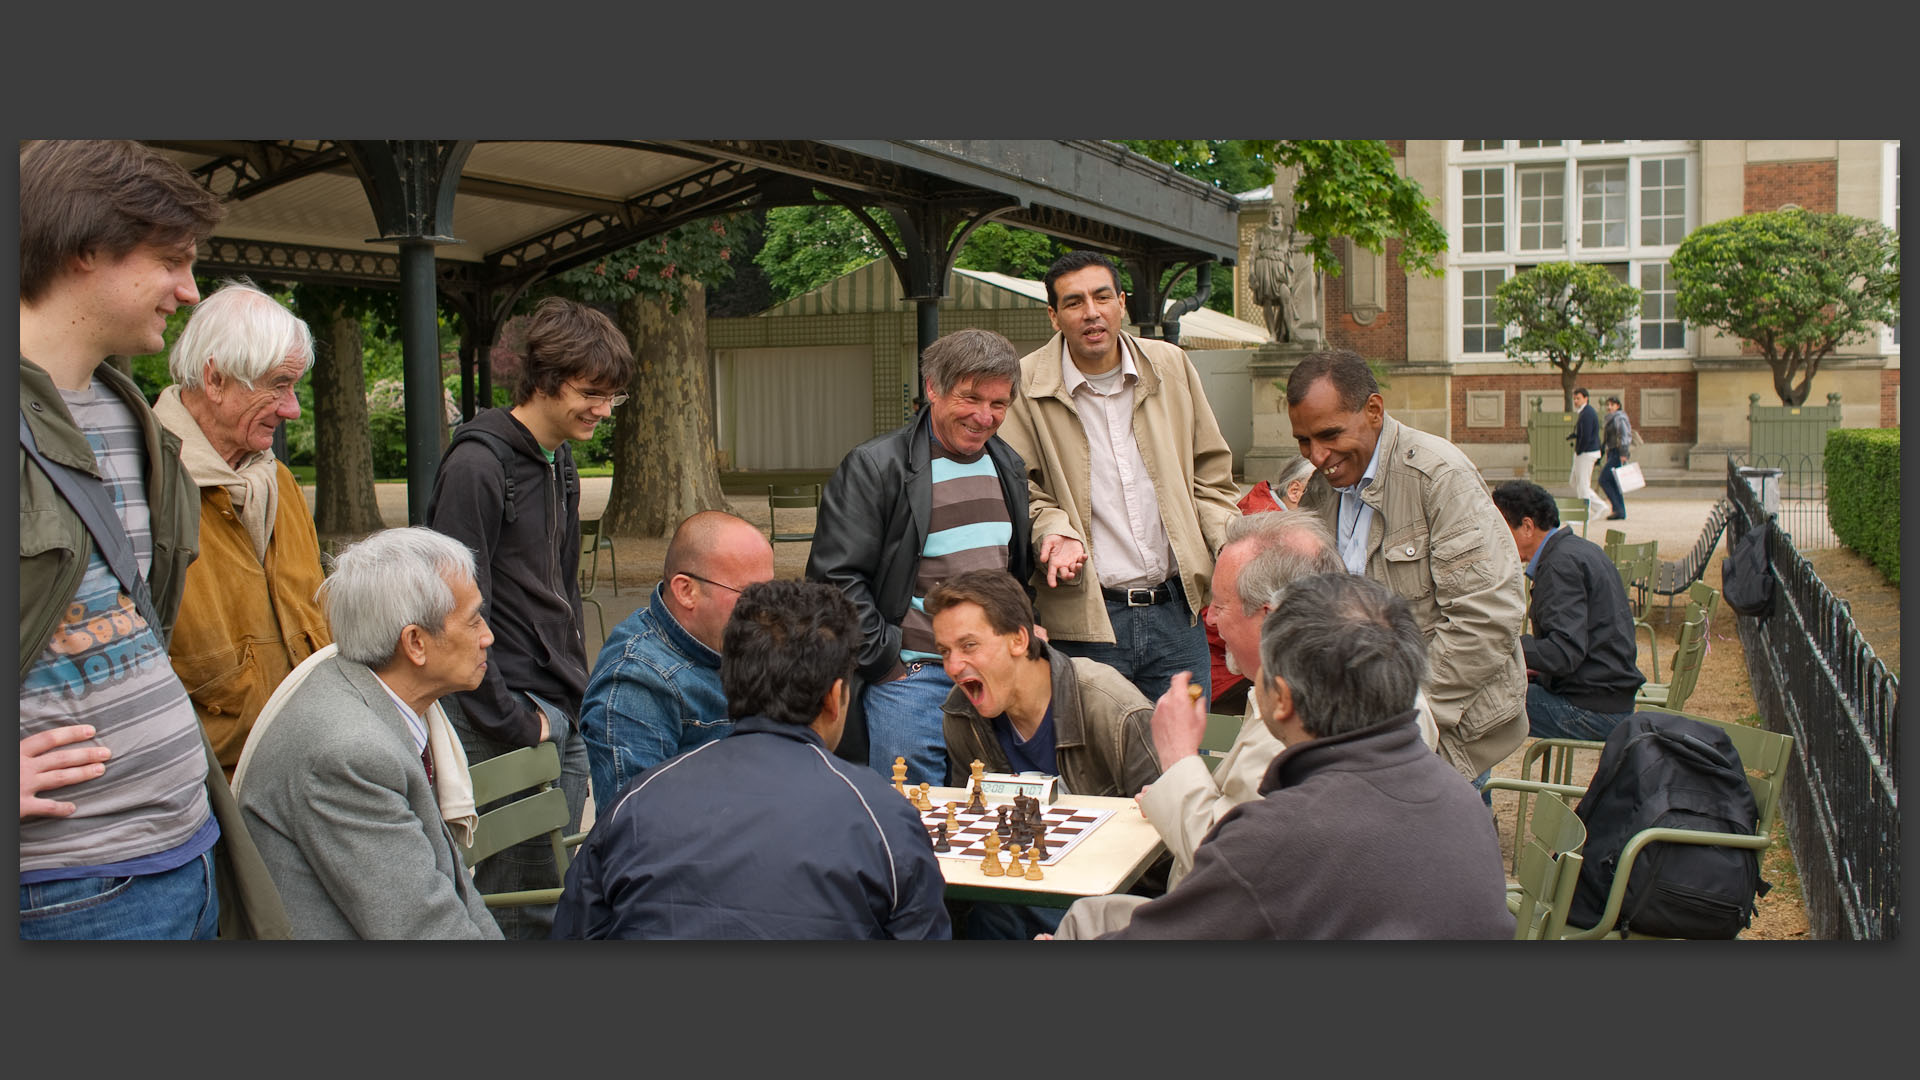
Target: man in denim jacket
(655, 690)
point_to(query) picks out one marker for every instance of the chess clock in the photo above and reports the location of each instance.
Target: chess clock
(1002, 787)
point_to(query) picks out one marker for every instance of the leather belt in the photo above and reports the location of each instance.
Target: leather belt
(1138, 597)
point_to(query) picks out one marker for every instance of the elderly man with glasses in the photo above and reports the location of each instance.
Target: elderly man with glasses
(507, 488)
(655, 691)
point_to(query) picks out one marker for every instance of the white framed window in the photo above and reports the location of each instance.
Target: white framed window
(1479, 333)
(1483, 210)
(1623, 203)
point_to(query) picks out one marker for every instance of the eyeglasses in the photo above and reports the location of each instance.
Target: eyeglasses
(709, 581)
(612, 400)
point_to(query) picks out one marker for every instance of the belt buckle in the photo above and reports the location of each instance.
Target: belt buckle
(1146, 597)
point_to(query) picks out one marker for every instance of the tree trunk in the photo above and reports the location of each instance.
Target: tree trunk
(1569, 378)
(664, 466)
(344, 503)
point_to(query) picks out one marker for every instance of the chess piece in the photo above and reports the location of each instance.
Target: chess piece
(1033, 864)
(924, 802)
(1004, 828)
(940, 839)
(976, 805)
(990, 863)
(900, 775)
(1013, 860)
(953, 820)
(1193, 691)
(1040, 840)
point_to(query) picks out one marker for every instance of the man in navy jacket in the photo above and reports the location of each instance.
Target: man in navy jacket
(765, 833)
(1582, 662)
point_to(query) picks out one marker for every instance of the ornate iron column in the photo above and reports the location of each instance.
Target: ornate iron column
(410, 185)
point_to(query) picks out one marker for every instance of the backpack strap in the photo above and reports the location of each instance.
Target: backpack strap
(501, 451)
(89, 499)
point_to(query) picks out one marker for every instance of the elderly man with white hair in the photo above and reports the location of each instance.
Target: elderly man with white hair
(248, 614)
(352, 783)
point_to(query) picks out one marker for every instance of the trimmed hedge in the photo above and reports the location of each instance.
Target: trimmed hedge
(1863, 494)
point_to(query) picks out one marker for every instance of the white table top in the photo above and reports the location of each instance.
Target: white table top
(1106, 860)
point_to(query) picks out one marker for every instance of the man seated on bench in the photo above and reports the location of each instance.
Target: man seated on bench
(1360, 830)
(351, 777)
(765, 833)
(1582, 660)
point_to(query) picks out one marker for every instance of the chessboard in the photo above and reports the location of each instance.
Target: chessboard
(1066, 827)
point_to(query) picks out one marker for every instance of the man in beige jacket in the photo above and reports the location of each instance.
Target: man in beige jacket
(1130, 483)
(1410, 511)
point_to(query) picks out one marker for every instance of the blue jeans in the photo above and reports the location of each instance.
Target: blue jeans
(991, 921)
(903, 720)
(1550, 716)
(181, 904)
(1610, 484)
(1152, 644)
(529, 864)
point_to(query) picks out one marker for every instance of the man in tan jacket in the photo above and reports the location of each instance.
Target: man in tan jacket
(1410, 511)
(249, 615)
(1130, 483)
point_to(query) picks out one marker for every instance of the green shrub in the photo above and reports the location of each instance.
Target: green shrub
(1863, 494)
(387, 430)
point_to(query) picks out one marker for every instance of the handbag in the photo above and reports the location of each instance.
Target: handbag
(1629, 477)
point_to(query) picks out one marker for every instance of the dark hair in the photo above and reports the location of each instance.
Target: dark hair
(999, 594)
(969, 354)
(1582, 391)
(566, 341)
(1611, 400)
(1348, 650)
(784, 646)
(1525, 499)
(1352, 379)
(1078, 260)
(104, 195)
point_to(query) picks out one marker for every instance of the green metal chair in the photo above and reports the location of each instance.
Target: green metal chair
(1222, 729)
(1685, 671)
(1636, 565)
(1547, 864)
(1572, 510)
(800, 497)
(1764, 754)
(543, 813)
(592, 543)
(1706, 596)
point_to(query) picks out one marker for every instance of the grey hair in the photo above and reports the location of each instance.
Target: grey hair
(1296, 468)
(244, 333)
(970, 353)
(393, 579)
(1348, 650)
(1286, 546)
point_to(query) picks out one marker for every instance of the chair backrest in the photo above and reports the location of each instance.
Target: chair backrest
(1611, 540)
(1706, 596)
(1687, 657)
(542, 813)
(1572, 510)
(1547, 867)
(1764, 754)
(798, 497)
(1637, 564)
(589, 555)
(1222, 729)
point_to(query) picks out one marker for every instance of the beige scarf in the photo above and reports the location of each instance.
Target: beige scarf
(254, 487)
(452, 783)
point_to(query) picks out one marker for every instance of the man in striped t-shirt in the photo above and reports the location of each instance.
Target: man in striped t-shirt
(907, 510)
(117, 836)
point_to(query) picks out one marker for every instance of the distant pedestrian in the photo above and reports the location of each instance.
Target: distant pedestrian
(1586, 448)
(1616, 438)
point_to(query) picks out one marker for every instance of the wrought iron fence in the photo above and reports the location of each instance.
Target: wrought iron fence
(1796, 495)
(1816, 679)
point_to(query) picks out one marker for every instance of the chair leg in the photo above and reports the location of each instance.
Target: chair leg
(613, 564)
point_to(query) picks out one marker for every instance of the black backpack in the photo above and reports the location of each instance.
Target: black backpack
(1664, 771)
(1746, 575)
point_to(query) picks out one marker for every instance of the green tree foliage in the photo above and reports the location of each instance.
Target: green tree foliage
(1002, 249)
(700, 251)
(1569, 315)
(1795, 283)
(808, 246)
(1863, 466)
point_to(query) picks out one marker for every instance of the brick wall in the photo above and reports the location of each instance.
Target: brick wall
(1890, 397)
(1385, 338)
(1811, 185)
(1548, 378)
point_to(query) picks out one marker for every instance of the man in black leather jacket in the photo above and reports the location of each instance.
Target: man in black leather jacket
(906, 510)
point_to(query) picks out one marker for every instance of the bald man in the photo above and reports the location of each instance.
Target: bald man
(655, 690)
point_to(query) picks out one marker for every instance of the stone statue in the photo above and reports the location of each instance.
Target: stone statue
(1284, 281)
